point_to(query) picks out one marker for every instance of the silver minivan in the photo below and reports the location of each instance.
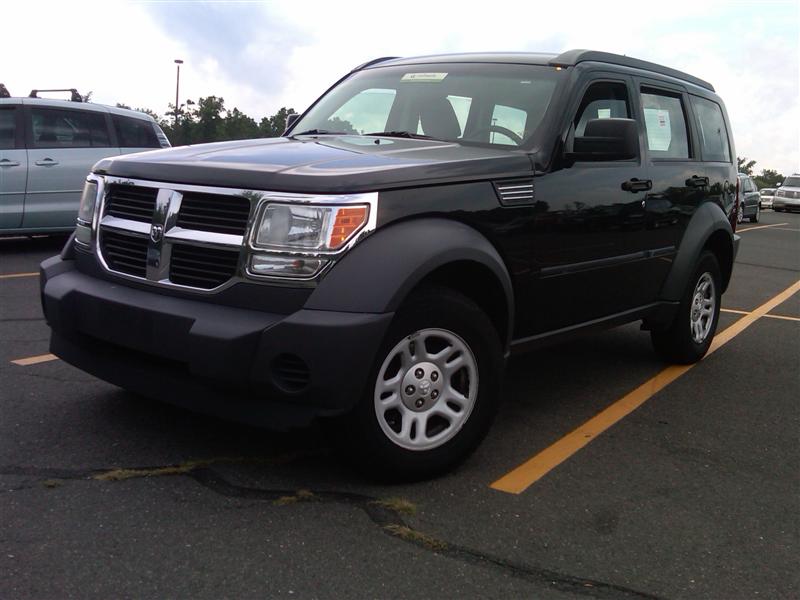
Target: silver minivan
(46, 149)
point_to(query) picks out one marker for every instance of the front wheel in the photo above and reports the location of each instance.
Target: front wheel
(433, 391)
(689, 336)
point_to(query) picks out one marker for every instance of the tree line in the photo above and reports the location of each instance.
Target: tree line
(768, 178)
(208, 120)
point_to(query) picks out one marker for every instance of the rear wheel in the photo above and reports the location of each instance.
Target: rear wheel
(689, 336)
(433, 391)
(755, 217)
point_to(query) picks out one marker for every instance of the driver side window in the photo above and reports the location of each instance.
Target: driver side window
(603, 100)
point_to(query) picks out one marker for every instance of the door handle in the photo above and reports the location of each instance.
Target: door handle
(8, 163)
(696, 181)
(637, 185)
(46, 162)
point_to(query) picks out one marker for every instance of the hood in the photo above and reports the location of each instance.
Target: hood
(324, 164)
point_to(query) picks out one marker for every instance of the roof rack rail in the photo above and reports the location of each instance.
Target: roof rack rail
(571, 58)
(4, 93)
(74, 95)
(373, 62)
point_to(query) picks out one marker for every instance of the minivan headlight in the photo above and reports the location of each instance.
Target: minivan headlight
(305, 228)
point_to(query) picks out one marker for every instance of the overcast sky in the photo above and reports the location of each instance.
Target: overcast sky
(260, 56)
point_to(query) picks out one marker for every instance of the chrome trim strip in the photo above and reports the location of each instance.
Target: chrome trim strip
(123, 225)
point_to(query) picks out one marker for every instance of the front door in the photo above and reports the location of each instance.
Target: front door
(13, 167)
(583, 237)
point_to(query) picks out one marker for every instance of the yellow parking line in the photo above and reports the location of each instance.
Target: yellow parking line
(523, 476)
(759, 227)
(15, 275)
(744, 312)
(34, 360)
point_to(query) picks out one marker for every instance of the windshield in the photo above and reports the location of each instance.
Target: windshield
(498, 104)
(767, 191)
(792, 182)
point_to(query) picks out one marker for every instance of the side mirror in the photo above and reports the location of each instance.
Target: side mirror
(291, 119)
(607, 139)
(779, 184)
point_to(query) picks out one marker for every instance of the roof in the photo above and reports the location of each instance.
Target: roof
(91, 106)
(569, 58)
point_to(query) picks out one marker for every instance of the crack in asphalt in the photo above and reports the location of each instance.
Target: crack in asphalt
(388, 519)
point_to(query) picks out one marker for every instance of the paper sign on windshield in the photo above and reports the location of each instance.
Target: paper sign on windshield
(426, 77)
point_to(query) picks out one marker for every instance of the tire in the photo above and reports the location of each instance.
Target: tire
(378, 435)
(755, 217)
(681, 343)
(778, 209)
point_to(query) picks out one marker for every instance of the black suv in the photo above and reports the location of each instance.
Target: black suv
(421, 221)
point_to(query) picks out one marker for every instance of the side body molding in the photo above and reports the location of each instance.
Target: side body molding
(706, 221)
(377, 274)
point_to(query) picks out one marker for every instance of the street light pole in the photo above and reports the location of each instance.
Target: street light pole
(178, 62)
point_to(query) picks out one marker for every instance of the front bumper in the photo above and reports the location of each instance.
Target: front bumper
(786, 203)
(252, 366)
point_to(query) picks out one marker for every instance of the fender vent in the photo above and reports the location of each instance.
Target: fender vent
(514, 192)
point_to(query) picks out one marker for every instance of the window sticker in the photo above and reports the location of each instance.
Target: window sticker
(659, 132)
(603, 113)
(424, 77)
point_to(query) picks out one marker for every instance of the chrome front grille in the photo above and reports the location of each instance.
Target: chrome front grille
(199, 267)
(129, 202)
(205, 212)
(126, 253)
(179, 236)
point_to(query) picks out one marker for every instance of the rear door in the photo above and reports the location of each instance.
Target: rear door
(13, 166)
(679, 180)
(63, 145)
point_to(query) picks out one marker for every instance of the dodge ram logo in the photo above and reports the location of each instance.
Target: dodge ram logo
(156, 233)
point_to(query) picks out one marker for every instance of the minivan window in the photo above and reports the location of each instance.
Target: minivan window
(713, 134)
(58, 128)
(447, 101)
(8, 127)
(665, 122)
(135, 133)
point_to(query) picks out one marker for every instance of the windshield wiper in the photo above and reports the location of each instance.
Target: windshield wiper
(403, 134)
(320, 132)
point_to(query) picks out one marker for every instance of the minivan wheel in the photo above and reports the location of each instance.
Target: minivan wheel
(433, 391)
(689, 336)
(754, 218)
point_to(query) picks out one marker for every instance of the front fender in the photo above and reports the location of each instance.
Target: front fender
(707, 220)
(378, 274)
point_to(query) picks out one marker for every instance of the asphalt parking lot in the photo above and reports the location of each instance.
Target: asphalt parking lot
(608, 474)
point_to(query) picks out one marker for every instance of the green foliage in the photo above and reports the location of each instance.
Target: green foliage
(745, 166)
(207, 120)
(768, 178)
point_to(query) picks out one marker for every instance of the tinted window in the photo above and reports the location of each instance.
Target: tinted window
(713, 134)
(135, 133)
(665, 122)
(57, 128)
(603, 100)
(8, 128)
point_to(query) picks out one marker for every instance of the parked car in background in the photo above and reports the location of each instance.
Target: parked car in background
(47, 147)
(787, 197)
(749, 200)
(767, 194)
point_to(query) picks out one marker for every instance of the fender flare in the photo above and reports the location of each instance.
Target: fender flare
(377, 274)
(706, 221)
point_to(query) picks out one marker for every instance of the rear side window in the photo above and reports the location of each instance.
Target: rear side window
(665, 122)
(713, 133)
(135, 133)
(57, 128)
(8, 128)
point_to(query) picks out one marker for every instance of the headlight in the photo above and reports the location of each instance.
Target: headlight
(83, 229)
(88, 202)
(780, 193)
(309, 228)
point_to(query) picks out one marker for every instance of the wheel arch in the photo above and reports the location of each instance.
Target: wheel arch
(378, 274)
